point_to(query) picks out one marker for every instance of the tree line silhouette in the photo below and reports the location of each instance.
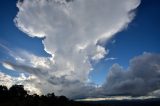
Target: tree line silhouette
(18, 96)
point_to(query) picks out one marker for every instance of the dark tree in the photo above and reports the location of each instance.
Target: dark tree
(17, 96)
(18, 91)
(3, 93)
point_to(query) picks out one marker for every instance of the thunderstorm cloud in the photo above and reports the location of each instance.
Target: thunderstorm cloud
(73, 32)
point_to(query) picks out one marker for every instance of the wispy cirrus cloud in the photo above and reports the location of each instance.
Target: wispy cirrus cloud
(110, 58)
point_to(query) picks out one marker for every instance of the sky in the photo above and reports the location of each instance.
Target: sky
(105, 47)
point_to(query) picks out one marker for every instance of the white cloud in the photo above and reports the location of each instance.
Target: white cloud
(29, 82)
(33, 60)
(8, 66)
(5, 80)
(71, 31)
(100, 53)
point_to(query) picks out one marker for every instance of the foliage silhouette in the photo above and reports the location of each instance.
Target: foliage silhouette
(17, 96)
(17, 91)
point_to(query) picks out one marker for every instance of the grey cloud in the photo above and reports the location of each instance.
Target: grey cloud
(24, 68)
(51, 83)
(141, 78)
(69, 0)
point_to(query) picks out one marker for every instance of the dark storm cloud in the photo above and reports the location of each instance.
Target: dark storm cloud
(69, 0)
(140, 79)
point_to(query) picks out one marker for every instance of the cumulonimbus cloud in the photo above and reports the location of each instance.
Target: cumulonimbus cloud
(72, 29)
(72, 32)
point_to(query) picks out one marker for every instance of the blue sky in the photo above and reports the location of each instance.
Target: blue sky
(141, 35)
(12, 37)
